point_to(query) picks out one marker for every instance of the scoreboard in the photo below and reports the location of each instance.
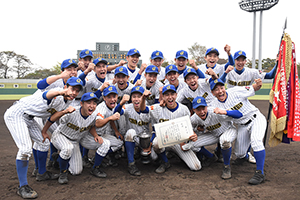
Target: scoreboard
(110, 52)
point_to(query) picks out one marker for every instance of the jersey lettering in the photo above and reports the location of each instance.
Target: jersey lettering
(237, 106)
(213, 127)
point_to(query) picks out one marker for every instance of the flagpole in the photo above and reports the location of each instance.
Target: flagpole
(270, 104)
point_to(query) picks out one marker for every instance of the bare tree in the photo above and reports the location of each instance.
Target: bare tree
(198, 53)
(5, 58)
(22, 65)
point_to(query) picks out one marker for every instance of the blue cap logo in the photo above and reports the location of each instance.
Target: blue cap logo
(214, 83)
(199, 101)
(110, 89)
(181, 53)
(138, 89)
(88, 96)
(167, 88)
(189, 71)
(238, 54)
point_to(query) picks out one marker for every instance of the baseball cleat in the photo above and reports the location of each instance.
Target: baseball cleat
(98, 173)
(226, 174)
(208, 161)
(163, 167)
(63, 177)
(258, 178)
(46, 176)
(133, 170)
(86, 162)
(27, 192)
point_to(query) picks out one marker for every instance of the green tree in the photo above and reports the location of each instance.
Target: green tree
(56, 68)
(40, 74)
(197, 53)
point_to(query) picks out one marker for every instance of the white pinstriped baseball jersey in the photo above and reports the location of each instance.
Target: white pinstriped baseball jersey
(154, 91)
(93, 83)
(181, 77)
(56, 84)
(244, 79)
(202, 90)
(135, 120)
(237, 99)
(121, 93)
(74, 126)
(160, 114)
(37, 106)
(132, 75)
(103, 112)
(214, 123)
(180, 86)
(218, 69)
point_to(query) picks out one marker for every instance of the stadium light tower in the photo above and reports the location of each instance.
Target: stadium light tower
(254, 6)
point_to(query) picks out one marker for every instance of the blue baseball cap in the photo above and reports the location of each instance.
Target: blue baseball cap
(85, 52)
(110, 89)
(215, 82)
(151, 69)
(102, 60)
(182, 53)
(238, 54)
(88, 96)
(199, 101)
(138, 89)
(189, 71)
(66, 63)
(212, 50)
(171, 68)
(157, 54)
(168, 88)
(74, 81)
(121, 70)
(133, 51)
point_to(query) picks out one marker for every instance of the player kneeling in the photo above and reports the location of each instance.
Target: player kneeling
(75, 128)
(214, 125)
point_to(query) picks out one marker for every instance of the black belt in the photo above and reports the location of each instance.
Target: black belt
(29, 116)
(250, 120)
(78, 98)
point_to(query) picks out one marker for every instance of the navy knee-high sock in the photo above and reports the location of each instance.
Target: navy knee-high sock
(34, 152)
(52, 150)
(98, 160)
(22, 168)
(42, 159)
(164, 156)
(206, 153)
(226, 155)
(260, 159)
(63, 164)
(85, 152)
(129, 146)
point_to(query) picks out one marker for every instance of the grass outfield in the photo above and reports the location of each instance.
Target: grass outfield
(17, 97)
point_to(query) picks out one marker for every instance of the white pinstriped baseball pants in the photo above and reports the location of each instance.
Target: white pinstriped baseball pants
(70, 150)
(206, 139)
(251, 134)
(24, 128)
(189, 157)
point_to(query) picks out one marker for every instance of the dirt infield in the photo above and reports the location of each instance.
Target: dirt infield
(282, 169)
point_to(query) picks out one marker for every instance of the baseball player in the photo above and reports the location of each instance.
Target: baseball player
(132, 57)
(152, 84)
(171, 111)
(85, 58)
(214, 125)
(212, 57)
(196, 87)
(68, 69)
(244, 76)
(172, 78)
(251, 127)
(137, 122)
(157, 59)
(20, 121)
(181, 61)
(75, 128)
(105, 110)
